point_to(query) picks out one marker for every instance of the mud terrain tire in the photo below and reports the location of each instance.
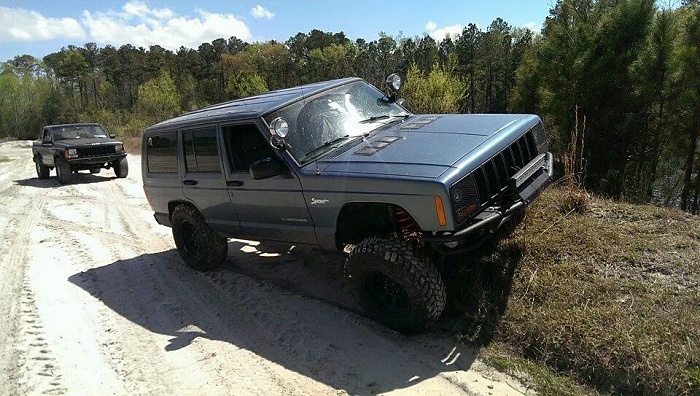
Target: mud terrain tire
(200, 247)
(396, 285)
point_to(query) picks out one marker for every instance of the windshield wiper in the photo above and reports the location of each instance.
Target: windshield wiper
(322, 148)
(383, 117)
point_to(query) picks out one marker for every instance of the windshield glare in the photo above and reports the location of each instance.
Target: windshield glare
(79, 132)
(350, 110)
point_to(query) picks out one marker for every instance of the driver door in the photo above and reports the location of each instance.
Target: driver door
(272, 208)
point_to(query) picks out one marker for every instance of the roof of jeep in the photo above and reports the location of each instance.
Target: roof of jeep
(77, 124)
(250, 107)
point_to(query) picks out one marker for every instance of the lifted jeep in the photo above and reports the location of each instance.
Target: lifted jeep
(70, 148)
(343, 165)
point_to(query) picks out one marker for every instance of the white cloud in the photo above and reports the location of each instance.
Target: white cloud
(141, 26)
(18, 24)
(135, 23)
(438, 34)
(260, 12)
(533, 27)
(138, 9)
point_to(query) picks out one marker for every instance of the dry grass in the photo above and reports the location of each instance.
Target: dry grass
(610, 296)
(132, 144)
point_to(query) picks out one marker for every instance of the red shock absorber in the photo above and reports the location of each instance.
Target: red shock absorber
(408, 226)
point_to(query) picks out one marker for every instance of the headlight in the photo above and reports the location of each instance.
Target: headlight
(279, 127)
(119, 148)
(393, 82)
(540, 138)
(70, 153)
(465, 199)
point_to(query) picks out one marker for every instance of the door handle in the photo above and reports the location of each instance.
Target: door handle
(190, 182)
(234, 183)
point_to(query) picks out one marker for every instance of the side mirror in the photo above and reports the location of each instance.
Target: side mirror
(265, 168)
(112, 136)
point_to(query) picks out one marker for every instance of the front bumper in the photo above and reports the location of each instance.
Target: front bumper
(96, 160)
(525, 186)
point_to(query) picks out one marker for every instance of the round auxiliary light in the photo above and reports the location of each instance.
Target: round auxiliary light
(393, 82)
(279, 127)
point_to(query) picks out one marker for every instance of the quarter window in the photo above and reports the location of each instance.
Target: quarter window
(161, 153)
(201, 150)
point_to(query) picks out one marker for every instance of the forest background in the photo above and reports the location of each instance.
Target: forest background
(617, 83)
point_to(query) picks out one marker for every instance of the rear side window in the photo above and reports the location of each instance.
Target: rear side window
(201, 150)
(162, 153)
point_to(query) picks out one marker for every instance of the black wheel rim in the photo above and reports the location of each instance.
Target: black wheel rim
(388, 294)
(190, 241)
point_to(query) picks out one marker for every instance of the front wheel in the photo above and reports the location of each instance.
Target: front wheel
(42, 172)
(201, 247)
(121, 168)
(396, 285)
(63, 171)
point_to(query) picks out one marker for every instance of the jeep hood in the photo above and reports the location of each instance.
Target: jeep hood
(420, 146)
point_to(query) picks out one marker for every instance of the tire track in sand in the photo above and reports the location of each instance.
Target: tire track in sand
(26, 357)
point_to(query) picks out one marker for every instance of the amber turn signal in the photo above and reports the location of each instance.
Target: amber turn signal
(442, 220)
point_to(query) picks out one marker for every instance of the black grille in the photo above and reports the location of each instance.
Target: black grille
(485, 185)
(96, 151)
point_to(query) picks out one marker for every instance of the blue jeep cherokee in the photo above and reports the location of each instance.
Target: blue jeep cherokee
(343, 165)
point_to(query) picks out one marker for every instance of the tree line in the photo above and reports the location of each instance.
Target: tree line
(617, 83)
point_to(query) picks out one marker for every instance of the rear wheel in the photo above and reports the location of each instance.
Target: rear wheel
(42, 172)
(63, 171)
(201, 247)
(396, 285)
(121, 167)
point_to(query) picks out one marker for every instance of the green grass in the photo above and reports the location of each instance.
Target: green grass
(609, 297)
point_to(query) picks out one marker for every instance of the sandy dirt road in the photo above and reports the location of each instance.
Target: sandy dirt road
(95, 300)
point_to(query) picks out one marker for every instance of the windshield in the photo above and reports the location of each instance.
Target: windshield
(79, 132)
(332, 118)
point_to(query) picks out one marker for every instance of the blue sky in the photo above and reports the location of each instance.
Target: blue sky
(41, 27)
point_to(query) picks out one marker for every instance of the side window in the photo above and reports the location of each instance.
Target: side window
(47, 135)
(162, 153)
(245, 145)
(201, 150)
